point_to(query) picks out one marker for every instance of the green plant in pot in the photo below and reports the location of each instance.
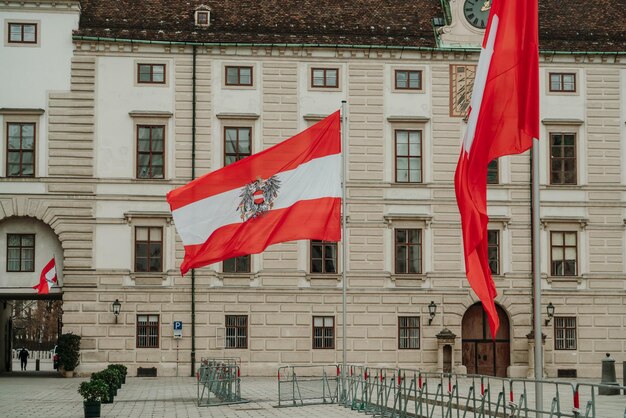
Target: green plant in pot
(68, 349)
(112, 380)
(93, 393)
(121, 370)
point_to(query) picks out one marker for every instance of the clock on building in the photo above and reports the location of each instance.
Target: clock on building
(477, 12)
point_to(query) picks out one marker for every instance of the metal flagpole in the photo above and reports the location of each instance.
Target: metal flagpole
(537, 280)
(344, 239)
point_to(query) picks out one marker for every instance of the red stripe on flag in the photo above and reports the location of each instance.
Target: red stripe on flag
(302, 220)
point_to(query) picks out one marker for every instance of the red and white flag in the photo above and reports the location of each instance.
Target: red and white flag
(47, 278)
(503, 120)
(288, 192)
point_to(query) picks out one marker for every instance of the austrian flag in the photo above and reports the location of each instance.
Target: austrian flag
(288, 192)
(47, 278)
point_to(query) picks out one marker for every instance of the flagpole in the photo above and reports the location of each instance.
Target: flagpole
(537, 279)
(344, 239)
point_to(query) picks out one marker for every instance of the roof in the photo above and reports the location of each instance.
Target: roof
(572, 25)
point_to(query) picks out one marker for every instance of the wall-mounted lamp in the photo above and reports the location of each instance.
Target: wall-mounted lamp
(550, 311)
(116, 309)
(432, 310)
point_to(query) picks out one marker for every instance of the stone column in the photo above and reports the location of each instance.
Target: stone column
(445, 338)
(531, 354)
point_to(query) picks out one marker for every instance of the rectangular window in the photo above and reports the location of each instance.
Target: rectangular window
(408, 156)
(563, 82)
(147, 331)
(562, 158)
(202, 18)
(565, 333)
(323, 257)
(408, 80)
(150, 151)
(408, 243)
(236, 331)
(492, 172)
(237, 264)
(236, 144)
(409, 332)
(151, 73)
(325, 77)
(20, 252)
(461, 86)
(323, 332)
(22, 33)
(238, 76)
(148, 249)
(493, 250)
(564, 250)
(20, 149)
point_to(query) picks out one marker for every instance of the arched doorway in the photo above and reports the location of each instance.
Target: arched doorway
(481, 354)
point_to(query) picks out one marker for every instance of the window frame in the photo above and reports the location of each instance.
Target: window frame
(150, 153)
(205, 13)
(325, 86)
(324, 258)
(237, 327)
(564, 247)
(563, 159)
(323, 327)
(21, 150)
(236, 262)
(238, 156)
(563, 340)
(496, 247)
(420, 157)
(148, 258)
(147, 336)
(239, 68)
(22, 24)
(493, 168)
(21, 248)
(416, 318)
(396, 244)
(151, 65)
(561, 76)
(408, 74)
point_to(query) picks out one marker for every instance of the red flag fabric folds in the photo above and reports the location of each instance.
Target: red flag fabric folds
(47, 278)
(288, 192)
(503, 120)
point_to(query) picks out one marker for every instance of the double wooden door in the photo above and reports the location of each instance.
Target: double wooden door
(481, 354)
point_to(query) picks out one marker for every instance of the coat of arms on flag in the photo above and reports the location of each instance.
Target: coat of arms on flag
(258, 197)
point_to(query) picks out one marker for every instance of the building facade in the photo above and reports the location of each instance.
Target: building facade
(116, 103)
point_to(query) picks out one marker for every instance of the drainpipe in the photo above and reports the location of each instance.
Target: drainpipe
(193, 176)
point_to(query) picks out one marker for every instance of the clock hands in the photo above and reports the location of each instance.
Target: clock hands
(486, 6)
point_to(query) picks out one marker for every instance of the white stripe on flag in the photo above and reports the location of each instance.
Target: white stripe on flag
(50, 274)
(315, 179)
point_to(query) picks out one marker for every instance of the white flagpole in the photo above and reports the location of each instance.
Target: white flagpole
(344, 239)
(537, 280)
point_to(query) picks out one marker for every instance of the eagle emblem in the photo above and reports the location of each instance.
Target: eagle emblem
(258, 197)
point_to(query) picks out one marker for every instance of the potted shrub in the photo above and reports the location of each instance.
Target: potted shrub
(111, 379)
(122, 369)
(68, 350)
(93, 392)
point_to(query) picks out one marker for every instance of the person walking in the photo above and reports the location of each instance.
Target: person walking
(23, 355)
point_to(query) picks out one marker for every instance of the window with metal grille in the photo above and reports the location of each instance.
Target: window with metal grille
(563, 82)
(325, 77)
(564, 253)
(151, 73)
(563, 158)
(20, 252)
(236, 331)
(323, 257)
(408, 149)
(150, 151)
(148, 249)
(238, 76)
(236, 144)
(461, 86)
(20, 149)
(408, 79)
(237, 264)
(565, 333)
(408, 251)
(493, 250)
(492, 172)
(324, 332)
(147, 331)
(22, 33)
(408, 332)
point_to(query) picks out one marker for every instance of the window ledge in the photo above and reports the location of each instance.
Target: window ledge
(231, 116)
(129, 216)
(20, 111)
(150, 114)
(565, 279)
(582, 222)
(408, 279)
(324, 276)
(558, 121)
(408, 119)
(148, 279)
(314, 117)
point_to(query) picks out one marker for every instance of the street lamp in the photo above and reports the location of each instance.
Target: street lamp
(550, 311)
(432, 310)
(116, 309)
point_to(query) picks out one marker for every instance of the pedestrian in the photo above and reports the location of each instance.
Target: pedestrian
(23, 355)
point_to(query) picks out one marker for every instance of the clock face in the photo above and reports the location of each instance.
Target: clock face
(477, 12)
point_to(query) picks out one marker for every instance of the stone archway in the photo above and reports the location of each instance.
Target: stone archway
(481, 354)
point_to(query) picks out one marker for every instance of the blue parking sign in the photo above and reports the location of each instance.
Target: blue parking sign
(178, 325)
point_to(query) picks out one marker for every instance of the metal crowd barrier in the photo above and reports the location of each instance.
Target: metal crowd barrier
(300, 385)
(400, 393)
(219, 382)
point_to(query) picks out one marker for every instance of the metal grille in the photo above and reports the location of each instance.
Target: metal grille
(236, 331)
(409, 332)
(147, 331)
(323, 332)
(565, 333)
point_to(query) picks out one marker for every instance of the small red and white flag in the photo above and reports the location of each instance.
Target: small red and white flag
(47, 278)
(288, 192)
(503, 120)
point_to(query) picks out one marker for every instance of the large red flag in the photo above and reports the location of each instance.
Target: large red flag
(47, 278)
(288, 192)
(503, 120)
